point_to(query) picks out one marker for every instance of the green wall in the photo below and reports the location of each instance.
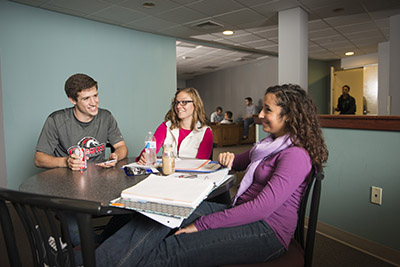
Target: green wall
(319, 84)
(358, 160)
(40, 49)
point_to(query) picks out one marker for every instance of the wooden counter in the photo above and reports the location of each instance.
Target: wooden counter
(380, 123)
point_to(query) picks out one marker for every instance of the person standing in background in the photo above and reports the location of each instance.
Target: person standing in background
(248, 119)
(217, 116)
(346, 103)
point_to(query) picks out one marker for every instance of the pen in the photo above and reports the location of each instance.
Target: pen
(108, 161)
(187, 176)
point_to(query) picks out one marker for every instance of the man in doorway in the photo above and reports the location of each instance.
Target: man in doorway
(346, 103)
(248, 119)
(85, 125)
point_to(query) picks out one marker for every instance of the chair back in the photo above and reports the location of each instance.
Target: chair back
(301, 249)
(317, 175)
(44, 220)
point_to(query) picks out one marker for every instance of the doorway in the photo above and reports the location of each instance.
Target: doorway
(354, 79)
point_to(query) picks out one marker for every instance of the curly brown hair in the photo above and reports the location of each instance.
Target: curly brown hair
(302, 122)
(78, 82)
(199, 115)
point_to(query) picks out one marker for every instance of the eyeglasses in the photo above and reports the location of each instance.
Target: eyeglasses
(183, 102)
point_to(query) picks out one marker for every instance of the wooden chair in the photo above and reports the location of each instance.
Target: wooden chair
(301, 249)
(49, 243)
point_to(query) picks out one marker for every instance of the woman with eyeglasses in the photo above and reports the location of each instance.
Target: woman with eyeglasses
(260, 223)
(185, 127)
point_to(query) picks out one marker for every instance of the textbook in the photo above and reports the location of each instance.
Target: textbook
(169, 190)
(167, 214)
(196, 165)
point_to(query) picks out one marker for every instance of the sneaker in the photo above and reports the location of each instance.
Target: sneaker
(51, 242)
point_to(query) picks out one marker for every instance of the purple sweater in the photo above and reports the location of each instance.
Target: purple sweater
(274, 196)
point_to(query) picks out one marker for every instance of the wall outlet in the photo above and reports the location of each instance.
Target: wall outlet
(376, 195)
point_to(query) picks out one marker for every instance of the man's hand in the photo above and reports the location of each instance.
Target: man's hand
(74, 162)
(111, 162)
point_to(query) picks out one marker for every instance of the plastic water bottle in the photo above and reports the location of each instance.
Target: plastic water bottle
(150, 149)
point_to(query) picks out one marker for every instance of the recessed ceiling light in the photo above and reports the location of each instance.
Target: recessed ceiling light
(350, 53)
(228, 32)
(148, 5)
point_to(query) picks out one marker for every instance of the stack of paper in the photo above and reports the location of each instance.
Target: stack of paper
(169, 190)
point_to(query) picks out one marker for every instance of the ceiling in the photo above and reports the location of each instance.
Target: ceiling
(335, 26)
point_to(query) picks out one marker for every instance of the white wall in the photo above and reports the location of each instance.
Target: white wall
(228, 88)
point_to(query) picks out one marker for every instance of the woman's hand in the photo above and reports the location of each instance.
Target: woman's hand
(186, 230)
(226, 159)
(142, 159)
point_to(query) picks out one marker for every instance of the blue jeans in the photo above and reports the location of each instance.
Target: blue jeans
(144, 242)
(246, 124)
(115, 223)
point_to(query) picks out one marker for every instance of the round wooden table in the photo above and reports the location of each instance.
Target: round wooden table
(96, 183)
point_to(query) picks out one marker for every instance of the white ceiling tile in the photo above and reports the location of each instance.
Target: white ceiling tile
(151, 23)
(316, 25)
(361, 27)
(87, 6)
(347, 20)
(160, 6)
(244, 38)
(322, 33)
(207, 37)
(180, 31)
(386, 13)
(119, 14)
(363, 35)
(329, 40)
(181, 15)
(267, 34)
(258, 44)
(212, 7)
(240, 16)
(270, 8)
(65, 11)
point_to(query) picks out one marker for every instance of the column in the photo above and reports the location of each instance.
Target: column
(293, 47)
(394, 77)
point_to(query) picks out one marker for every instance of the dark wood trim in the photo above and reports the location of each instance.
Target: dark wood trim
(380, 123)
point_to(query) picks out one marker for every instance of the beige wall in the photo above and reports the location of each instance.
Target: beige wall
(371, 89)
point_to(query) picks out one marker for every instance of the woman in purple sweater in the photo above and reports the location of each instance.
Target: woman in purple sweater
(262, 220)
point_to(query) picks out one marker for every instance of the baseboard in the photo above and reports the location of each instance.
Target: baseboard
(366, 246)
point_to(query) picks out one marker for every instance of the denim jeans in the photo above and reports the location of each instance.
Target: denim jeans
(246, 124)
(144, 242)
(112, 226)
